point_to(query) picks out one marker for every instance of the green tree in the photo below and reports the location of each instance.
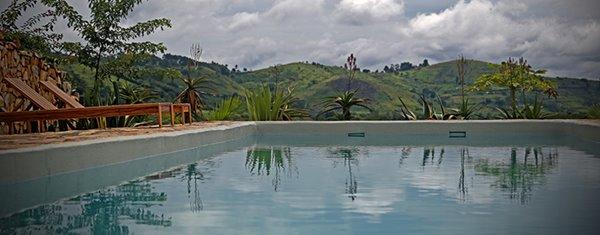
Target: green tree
(104, 36)
(516, 75)
(34, 33)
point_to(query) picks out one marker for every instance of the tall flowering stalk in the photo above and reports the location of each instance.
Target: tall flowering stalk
(350, 66)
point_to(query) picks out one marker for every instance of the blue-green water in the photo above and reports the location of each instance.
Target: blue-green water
(343, 189)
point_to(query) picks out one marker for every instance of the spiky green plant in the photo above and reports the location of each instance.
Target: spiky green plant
(466, 109)
(535, 110)
(406, 113)
(194, 90)
(344, 103)
(135, 94)
(266, 105)
(225, 109)
(594, 112)
(429, 112)
(508, 114)
(132, 94)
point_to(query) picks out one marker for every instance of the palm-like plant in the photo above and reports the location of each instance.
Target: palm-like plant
(195, 89)
(344, 103)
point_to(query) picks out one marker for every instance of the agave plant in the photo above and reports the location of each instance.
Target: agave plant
(466, 110)
(430, 114)
(508, 114)
(132, 94)
(194, 89)
(225, 109)
(594, 111)
(529, 111)
(135, 94)
(266, 105)
(535, 110)
(406, 113)
(344, 102)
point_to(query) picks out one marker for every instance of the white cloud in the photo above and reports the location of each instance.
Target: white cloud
(252, 51)
(243, 20)
(359, 12)
(561, 36)
(485, 30)
(286, 9)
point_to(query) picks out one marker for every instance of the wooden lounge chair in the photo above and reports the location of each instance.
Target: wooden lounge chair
(29, 93)
(70, 101)
(61, 94)
(51, 112)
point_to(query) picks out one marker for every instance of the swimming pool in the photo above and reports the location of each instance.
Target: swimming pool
(345, 180)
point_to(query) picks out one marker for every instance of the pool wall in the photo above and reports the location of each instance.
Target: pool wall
(31, 163)
(49, 160)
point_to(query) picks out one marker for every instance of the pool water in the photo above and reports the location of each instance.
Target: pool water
(343, 189)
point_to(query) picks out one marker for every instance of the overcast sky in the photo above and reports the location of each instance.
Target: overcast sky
(559, 35)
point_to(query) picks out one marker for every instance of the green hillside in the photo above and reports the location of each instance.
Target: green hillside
(313, 82)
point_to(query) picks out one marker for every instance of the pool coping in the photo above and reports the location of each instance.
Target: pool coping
(52, 159)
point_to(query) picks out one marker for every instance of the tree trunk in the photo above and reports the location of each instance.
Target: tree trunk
(96, 90)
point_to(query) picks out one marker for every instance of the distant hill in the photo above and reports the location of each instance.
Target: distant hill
(312, 82)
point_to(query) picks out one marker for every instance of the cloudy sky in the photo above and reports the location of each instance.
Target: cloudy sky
(559, 35)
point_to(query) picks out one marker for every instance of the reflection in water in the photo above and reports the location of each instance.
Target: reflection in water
(429, 155)
(193, 175)
(349, 156)
(100, 212)
(434, 183)
(518, 176)
(405, 153)
(272, 160)
(462, 189)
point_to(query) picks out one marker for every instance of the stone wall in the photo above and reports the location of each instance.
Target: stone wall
(32, 69)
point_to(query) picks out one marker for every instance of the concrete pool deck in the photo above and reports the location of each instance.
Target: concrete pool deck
(42, 156)
(36, 139)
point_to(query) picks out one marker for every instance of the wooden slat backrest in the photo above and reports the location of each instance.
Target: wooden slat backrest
(37, 99)
(61, 94)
